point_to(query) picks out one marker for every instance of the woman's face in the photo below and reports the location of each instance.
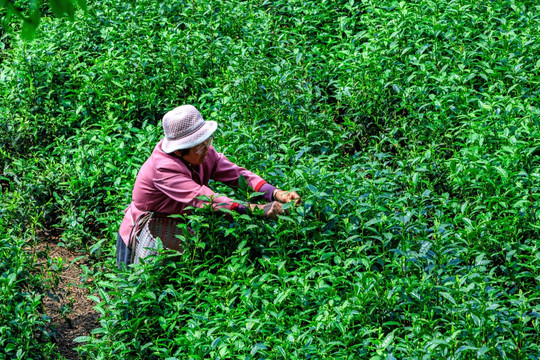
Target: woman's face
(197, 154)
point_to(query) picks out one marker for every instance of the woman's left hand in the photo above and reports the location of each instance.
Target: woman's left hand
(287, 196)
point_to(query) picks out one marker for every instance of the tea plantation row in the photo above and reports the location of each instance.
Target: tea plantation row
(411, 130)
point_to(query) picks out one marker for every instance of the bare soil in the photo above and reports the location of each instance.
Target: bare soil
(70, 310)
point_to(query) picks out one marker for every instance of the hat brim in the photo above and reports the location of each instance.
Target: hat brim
(190, 141)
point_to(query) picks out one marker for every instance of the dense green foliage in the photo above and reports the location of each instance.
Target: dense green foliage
(411, 130)
(29, 13)
(24, 332)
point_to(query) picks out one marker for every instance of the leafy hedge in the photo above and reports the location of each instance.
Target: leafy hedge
(25, 332)
(410, 129)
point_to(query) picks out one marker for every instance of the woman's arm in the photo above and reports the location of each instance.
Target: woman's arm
(180, 187)
(229, 173)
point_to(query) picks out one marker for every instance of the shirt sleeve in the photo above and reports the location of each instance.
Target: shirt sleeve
(229, 173)
(180, 187)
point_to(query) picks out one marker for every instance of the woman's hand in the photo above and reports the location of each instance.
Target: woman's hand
(287, 196)
(272, 210)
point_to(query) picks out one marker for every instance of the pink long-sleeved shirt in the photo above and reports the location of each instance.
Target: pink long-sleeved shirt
(166, 184)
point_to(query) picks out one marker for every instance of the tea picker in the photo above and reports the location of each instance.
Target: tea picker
(175, 176)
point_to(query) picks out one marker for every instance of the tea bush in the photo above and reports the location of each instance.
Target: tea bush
(25, 332)
(409, 128)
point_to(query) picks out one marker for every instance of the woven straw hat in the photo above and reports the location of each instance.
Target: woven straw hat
(184, 127)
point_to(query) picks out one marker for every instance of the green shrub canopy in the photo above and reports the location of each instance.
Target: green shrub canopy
(410, 129)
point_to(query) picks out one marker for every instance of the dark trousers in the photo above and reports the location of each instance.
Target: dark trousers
(123, 253)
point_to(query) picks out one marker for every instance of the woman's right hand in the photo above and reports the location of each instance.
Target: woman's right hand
(273, 209)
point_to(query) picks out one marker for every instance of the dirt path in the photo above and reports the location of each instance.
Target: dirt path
(70, 309)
